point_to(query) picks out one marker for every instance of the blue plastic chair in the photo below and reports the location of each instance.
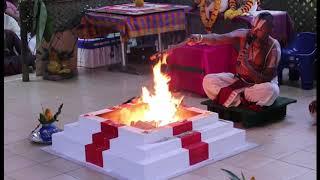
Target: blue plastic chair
(299, 57)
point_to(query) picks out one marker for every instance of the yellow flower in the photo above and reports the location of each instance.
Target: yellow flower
(228, 13)
(238, 12)
(48, 114)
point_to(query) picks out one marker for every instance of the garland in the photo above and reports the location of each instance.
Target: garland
(243, 9)
(208, 23)
(233, 4)
(247, 6)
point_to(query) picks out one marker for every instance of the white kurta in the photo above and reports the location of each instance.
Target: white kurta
(263, 94)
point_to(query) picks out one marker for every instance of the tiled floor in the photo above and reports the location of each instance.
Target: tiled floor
(287, 149)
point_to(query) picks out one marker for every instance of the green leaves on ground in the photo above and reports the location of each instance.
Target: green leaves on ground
(232, 176)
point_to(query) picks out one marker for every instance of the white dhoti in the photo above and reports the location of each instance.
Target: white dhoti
(263, 94)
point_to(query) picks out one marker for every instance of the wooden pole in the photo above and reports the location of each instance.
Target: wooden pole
(24, 42)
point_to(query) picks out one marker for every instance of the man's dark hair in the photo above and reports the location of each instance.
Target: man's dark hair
(266, 16)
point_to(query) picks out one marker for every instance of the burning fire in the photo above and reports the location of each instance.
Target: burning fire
(154, 108)
(161, 105)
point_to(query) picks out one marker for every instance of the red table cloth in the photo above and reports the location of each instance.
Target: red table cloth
(189, 64)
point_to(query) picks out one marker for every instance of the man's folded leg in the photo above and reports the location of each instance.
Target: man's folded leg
(263, 94)
(212, 83)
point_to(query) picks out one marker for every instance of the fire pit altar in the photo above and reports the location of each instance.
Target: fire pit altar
(152, 137)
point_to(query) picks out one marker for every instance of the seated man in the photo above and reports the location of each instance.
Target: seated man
(255, 82)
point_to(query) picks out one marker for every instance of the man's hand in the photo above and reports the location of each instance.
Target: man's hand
(161, 54)
(243, 56)
(194, 39)
(158, 55)
(242, 67)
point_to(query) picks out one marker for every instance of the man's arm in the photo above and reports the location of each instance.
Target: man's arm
(210, 39)
(270, 71)
(227, 38)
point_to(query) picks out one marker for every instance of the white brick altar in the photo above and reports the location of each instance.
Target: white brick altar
(128, 152)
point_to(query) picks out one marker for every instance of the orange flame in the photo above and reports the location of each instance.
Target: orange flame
(162, 105)
(152, 109)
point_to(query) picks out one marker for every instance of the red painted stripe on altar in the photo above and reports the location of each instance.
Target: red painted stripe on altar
(110, 128)
(101, 142)
(188, 139)
(181, 127)
(191, 140)
(198, 150)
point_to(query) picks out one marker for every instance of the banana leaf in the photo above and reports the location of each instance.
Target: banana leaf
(58, 112)
(48, 29)
(231, 174)
(35, 15)
(41, 23)
(243, 178)
(42, 119)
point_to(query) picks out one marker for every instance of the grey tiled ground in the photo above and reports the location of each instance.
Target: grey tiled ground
(287, 151)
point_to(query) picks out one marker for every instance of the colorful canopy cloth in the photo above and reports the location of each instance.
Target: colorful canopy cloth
(283, 29)
(94, 25)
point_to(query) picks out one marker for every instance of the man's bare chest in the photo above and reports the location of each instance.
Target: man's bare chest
(256, 56)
